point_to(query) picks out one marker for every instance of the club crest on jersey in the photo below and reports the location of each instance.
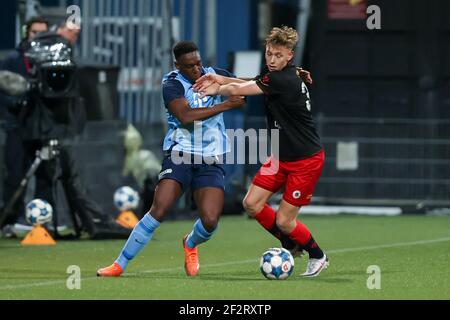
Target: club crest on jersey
(265, 79)
(296, 194)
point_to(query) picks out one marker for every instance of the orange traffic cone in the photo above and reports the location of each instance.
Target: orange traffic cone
(38, 236)
(127, 219)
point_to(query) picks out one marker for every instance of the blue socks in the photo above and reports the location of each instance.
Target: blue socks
(198, 235)
(141, 234)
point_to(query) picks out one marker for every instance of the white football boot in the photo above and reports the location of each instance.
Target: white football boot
(315, 266)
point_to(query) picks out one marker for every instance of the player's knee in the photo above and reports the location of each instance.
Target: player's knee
(210, 222)
(252, 207)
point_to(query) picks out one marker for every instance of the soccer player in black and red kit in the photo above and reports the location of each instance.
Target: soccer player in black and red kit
(299, 163)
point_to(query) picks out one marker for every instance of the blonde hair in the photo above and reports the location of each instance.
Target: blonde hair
(284, 36)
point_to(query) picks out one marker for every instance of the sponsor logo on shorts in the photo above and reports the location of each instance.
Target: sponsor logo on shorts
(296, 194)
(162, 174)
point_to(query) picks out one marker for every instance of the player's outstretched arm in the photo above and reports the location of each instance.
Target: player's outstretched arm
(209, 79)
(247, 88)
(181, 110)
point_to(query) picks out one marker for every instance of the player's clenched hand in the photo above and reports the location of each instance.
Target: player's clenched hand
(211, 90)
(206, 81)
(305, 75)
(236, 101)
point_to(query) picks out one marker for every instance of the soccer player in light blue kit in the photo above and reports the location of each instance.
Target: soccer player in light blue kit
(194, 146)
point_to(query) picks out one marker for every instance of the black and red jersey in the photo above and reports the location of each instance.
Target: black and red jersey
(289, 110)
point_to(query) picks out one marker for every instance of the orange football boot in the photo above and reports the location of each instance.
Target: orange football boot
(113, 270)
(191, 265)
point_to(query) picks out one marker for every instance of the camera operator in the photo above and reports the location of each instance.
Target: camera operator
(52, 110)
(16, 159)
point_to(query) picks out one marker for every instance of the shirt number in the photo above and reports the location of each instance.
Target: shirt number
(199, 103)
(305, 91)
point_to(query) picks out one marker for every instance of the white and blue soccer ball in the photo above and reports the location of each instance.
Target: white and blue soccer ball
(277, 264)
(38, 211)
(126, 198)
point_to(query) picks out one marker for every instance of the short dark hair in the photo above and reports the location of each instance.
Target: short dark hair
(184, 47)
(30, 22)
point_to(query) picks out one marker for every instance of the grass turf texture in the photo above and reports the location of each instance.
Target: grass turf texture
(411, 268)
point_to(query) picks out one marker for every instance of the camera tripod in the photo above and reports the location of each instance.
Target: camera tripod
(48, 152)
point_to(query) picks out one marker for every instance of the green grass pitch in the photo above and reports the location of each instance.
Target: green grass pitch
(412, 252)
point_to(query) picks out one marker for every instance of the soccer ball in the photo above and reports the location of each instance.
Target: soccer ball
(39, 211)
(276, 264)
(126, 198)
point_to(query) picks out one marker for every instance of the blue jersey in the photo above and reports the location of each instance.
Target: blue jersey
(207, 137)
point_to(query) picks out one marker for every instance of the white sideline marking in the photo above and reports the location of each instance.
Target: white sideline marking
(211, 265)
